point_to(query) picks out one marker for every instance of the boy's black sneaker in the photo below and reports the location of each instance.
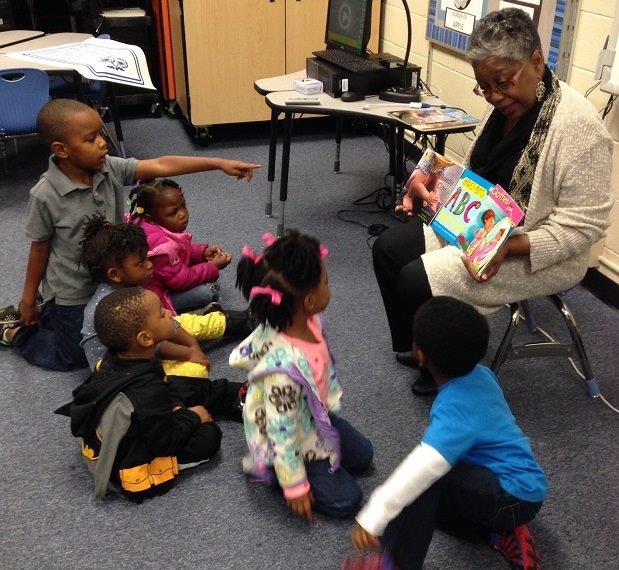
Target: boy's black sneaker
(239, 324)
(424, 385)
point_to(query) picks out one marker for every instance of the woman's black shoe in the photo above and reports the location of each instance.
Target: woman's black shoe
(407, 359)
(424, 385)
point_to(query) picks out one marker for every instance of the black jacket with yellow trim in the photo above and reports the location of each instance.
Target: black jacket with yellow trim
(145, 462)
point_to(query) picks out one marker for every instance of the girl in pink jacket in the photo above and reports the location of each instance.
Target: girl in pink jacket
(183, 271)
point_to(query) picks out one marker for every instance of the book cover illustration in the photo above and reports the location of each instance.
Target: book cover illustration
(439, 175)
(469, 212)
(434, 118)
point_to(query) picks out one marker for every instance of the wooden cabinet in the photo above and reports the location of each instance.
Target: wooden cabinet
(220, 47)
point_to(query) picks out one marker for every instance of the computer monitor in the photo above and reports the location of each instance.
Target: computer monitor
(348, 25)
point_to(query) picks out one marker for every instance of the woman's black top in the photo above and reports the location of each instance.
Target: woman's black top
(496, 154)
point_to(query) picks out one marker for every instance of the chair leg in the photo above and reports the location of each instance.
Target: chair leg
(5, 163)
(505, 347)
(528, 317)
(592, 384)
(16, 149)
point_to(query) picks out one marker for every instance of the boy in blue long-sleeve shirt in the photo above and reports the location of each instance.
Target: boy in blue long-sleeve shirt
(474, 466)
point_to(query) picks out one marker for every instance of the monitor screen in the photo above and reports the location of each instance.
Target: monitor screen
(348, 24)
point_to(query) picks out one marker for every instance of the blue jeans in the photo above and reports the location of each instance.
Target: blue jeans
(468, 499)
(336, 493)
(54, 342)
(192, 299)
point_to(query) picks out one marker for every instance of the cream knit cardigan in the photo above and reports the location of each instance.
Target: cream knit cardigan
(567, 213)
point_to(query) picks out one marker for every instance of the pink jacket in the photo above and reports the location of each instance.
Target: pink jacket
(178, 264)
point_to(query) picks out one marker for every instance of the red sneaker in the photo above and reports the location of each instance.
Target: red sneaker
(518, 548)
(373, 561)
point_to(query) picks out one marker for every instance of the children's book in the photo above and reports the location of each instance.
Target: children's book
(469, 212)
(433, 118)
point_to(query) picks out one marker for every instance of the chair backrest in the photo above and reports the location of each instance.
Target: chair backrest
(23, 92)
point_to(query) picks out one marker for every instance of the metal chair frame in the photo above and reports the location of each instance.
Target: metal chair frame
(521, 312)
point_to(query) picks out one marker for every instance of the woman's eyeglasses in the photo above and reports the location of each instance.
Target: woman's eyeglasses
(501, 87)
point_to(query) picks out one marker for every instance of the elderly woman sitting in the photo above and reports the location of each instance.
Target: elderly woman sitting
(543, 142)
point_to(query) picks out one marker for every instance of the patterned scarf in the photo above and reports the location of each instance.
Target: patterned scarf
(522, 179)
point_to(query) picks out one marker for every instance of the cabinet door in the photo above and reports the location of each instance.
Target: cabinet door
(306, 21)
(228, 45)
(305, 31)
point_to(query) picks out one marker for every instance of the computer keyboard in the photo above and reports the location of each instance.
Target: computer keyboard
(348, 61)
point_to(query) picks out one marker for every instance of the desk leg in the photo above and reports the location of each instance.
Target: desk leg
(268, 207)
(399, 154)
(393, 161)
(441, 139)
(339, 125)
(283, 188)
(79, 87)
(116, 117)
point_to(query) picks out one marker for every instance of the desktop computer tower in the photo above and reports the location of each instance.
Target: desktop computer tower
(336, 80)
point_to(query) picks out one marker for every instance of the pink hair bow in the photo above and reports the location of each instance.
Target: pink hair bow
(276, 296)
(323, 251)
(247, 251)
(269, 238)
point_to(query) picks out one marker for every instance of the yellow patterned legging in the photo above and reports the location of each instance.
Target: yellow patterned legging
(202, 327)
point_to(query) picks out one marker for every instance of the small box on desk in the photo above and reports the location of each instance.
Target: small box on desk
(307, 86)
(335, 80)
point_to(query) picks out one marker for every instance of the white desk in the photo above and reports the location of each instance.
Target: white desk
(278, 89)
(279, 83)
(11, 37)
(53, 40)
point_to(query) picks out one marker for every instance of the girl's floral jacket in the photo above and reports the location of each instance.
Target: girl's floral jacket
(286, 424)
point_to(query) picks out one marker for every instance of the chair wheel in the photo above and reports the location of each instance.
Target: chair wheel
(156, 111)
(173, 109)
(202, 136)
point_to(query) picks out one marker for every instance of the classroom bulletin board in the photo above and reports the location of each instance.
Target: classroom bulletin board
(450, 22)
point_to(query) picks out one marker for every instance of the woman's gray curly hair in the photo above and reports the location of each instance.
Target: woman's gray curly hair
(507, 33)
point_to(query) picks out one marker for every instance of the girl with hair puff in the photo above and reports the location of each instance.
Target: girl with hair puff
(294, 436)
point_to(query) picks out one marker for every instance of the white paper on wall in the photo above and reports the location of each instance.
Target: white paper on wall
(612, 85)
(507, 4)
(97, 59)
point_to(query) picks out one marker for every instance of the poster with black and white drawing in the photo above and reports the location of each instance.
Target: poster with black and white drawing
(97, 59)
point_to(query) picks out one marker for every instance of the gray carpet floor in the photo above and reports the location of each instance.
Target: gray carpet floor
(214, 518)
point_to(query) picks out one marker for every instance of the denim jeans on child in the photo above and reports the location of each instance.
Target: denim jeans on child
(336, 493)
(54, 343)
(468, 497)
(193, 299)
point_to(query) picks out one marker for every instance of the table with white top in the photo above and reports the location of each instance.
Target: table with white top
(277, 89)
(11, 37)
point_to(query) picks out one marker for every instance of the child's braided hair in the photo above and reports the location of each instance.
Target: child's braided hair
(143, 196)
(106, 245)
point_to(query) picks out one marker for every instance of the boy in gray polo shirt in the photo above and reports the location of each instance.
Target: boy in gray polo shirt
(81, 180)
